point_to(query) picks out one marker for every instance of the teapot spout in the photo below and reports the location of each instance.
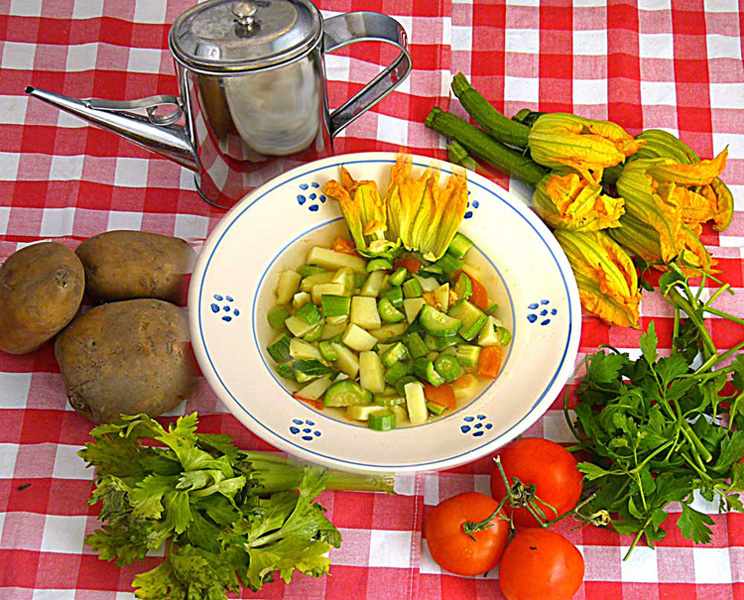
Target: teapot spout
(155, 133)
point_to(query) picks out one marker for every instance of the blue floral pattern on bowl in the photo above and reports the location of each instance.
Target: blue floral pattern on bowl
(475, 425)
(472, 206)
(310, 196)
(304, 429)
(224, 306)
(541, 312)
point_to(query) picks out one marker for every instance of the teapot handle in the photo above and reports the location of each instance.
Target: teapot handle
(349, 28)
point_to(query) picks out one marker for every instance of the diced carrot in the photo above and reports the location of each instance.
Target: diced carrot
(316, 404)
(410, 264)
(489, 362)
(344, 246)
(464, 381)
(479, 295)
(444, 395)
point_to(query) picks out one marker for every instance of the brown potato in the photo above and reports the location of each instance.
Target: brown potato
(41, 288)
(127, 357)
(121, 265)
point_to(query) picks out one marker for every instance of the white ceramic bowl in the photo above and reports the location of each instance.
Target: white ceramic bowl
(272, 228)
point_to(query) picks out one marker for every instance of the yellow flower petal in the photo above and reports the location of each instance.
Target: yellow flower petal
(699, 173)
(719, 193)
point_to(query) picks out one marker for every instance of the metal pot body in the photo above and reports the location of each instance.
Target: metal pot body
(247, 128)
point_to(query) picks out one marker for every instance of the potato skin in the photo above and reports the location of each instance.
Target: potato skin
(122, 265)
(41, 288)
(127, 357)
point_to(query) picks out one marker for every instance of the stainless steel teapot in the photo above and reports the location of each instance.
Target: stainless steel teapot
(252, 92)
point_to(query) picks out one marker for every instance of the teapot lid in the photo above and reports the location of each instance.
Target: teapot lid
(228, 36)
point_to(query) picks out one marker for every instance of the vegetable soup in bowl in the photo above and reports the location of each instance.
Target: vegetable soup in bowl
(384, 345)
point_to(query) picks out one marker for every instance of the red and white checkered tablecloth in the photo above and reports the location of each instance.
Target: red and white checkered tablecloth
(672, 65)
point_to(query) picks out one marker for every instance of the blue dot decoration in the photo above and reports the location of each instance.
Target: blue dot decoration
(476, 204)
(301, 199)
(315, 184)
(544, 302)
(229, 298)
(322, 198)
(541, 312)
(533, 306)
(468, 214)
(218, 297)
(481, 417)
(314, 207)
(532, 318)
(294, 430)
(313, 196)
(298, 421)
(465, 428)
(227, 318)
(304, 186)
(469, 419)
(476, 426)
(305, 429)
(477, 433)
(215, 307)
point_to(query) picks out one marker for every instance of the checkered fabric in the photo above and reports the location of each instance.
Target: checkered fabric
(653, 63)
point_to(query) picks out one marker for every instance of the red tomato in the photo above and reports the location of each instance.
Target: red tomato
(410, 264)
(344, 246)
(540, 564)
(549, 466)
(451, 548)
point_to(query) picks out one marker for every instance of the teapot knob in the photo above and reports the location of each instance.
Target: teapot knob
(244, 12)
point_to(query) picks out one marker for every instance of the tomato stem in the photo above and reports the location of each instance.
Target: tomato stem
(469, 528)
(520, 495)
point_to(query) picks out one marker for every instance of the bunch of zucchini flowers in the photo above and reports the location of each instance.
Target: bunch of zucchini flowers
(608, 196)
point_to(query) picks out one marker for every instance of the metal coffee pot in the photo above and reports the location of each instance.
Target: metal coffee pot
(252, 92)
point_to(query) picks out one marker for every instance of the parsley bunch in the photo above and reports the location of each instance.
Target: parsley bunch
(658, 428)
(226, 518)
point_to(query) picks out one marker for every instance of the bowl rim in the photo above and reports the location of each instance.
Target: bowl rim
(539, 405)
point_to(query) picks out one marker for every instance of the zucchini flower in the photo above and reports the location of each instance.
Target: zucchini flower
(421, 215)
(585, 145)
(568, 201)
(364, 211)
(607, 279)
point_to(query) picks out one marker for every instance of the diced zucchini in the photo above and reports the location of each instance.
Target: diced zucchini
(315, 389)
(463, 287)
(373, 284)
(388, 312)
(332, 260)
(388, 331)
(395, 295)
(416, 403)
(424, 369)
(441, 295)
(361, 412)
(346, 393)
(279, 348)
(412, 288)
(340, 320)
(277, 316)
(327, 351)
(473, 318)
(298, 327)
(333, 330)
(379, 264)
(389, 399)
(398, 277)
(347, 362)
(492, 308)
(285, 370)
(300, 299)
(345, 277)
(393, 354)
(371, 376)
(299, 349)
(438, 323)
(335, 306)
(428, 284)
(311, 281)
(315, 333)
(467, 355)
(288, 286)
(364, 312)
(359, 279)
(308, 270)
(309, 313)
(459, 245)
(326, 289)
(305, 370)
(437, 344)
(383, 420)
(411, 307)
(394, 373)
(488, 335)
(436, 409)
(448, 367)
(357, 339)
(401, 416)
(416, 346)
(449, 265)
(400, 385)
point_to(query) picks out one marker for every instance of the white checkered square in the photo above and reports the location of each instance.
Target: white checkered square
(521, 89)
(4, 218)
(64, 534)
(727, 95)
(14, 386)
(82, 57)
(591, 42)
(735, 143)
(68, 465)
(147, 11)
(124, 220)
(131, 172)
(431, 489)
(656, 45)
(589, 91)
(87, 9)
(462, 38)
(392, 130)
(712, 565)
(724, 6)
(57, 222)
(13, 110)
(18, 55)
(144, 60)
(641, 566)
(525, 41)
(660, 5)
(555, 427)
(390, 548)
(723, 46)
(654, 93)
(66, 168)
(54, 595)
(8, 454)
(25, 8)
(405, 484)
(191, 227)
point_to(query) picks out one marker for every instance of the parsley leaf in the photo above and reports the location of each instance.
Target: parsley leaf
(694, 525)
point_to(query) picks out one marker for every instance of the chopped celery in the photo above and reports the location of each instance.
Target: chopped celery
(448, 367)
(467, 355)
(394, 354)
(277, 316)
(436, 409)
(493, 308)
(382, 420)
(459, 245)
(398, 277)
(412, 289)
(279, 348)
(388, 312)
(335, 306)
(309, 313)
